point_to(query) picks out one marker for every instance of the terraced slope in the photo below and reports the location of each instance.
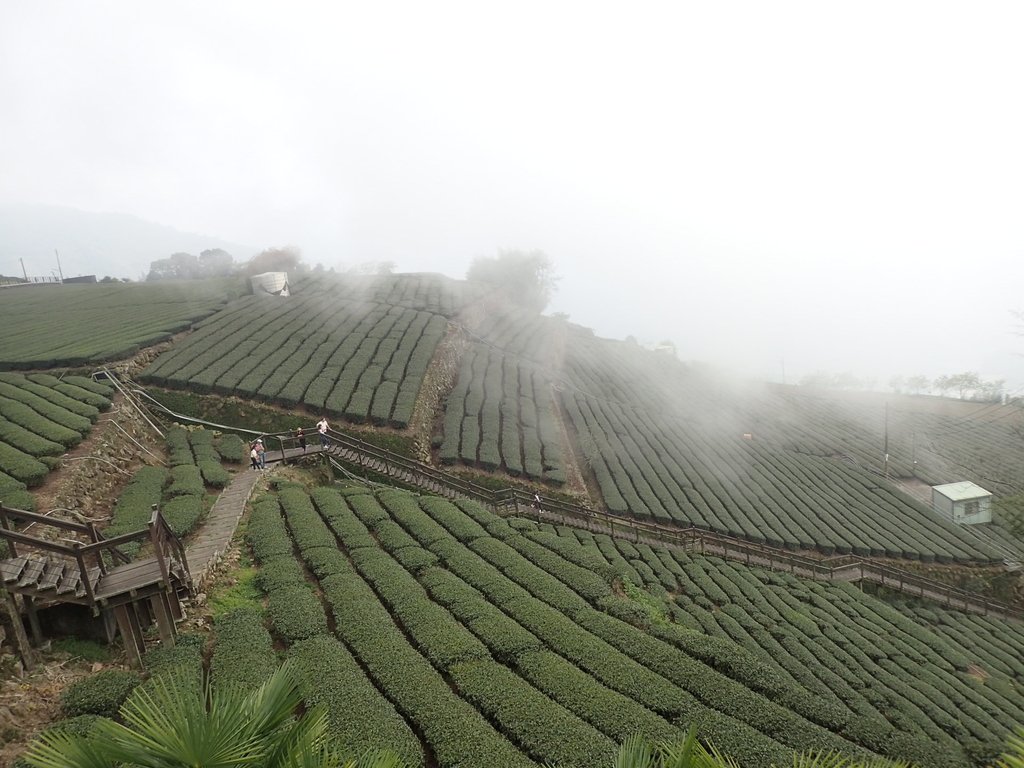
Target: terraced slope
(41, 417)
(916, 664)
(501, 413)
(936, 440)
(69, 325)
(542, 399)
(664, 441)
(477, 640)
(331, 347)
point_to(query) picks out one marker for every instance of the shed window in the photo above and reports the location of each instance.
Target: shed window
(971, 507)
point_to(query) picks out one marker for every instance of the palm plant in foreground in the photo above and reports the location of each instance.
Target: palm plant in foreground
(1014, 756)
(173, 723)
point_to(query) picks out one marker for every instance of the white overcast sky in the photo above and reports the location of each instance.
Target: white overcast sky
(838, 186)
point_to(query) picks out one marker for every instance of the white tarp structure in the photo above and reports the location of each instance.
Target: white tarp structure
(274, 283)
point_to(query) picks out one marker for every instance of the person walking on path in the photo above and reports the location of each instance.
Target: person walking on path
(301, 437)
(322, 428)
(255, 458)
(261, 452)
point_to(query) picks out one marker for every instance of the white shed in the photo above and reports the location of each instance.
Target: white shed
(962, 502)
(274, 283)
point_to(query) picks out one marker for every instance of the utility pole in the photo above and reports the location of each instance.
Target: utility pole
(59, 270)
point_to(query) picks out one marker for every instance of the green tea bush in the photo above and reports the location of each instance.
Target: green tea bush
(214, 475)
(266, 531)
(231, 448)
(21, 466)
(183, 513)
(296, 613)
(326, 561)
(186, 480)
(243, 651)
(28, 441)
(177, 444)
(101, 694)
(360, 717)
(545, 729)
(21, 414)
(279, 572)
(86, 383)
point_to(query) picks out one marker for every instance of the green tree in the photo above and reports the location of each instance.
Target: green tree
(174, 723)
(524, 277)
(285, 259)
(177, 266)
(215, 263)
(964, 382)
(918, 383)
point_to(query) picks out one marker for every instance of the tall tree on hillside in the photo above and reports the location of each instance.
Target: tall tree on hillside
(285, 259)
(177, 266)
(215, 263)
(918, 383)
(525, 277)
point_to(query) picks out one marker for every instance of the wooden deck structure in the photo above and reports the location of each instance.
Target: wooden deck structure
(76, 564)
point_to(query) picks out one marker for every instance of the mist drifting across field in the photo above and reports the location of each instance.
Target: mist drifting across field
(777, 188)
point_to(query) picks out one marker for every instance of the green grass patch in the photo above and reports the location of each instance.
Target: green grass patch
(242, 593)
(89, 650)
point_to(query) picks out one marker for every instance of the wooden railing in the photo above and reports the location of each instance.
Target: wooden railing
(167, 545)
(163, 539)
(515, 501)
(391, 463)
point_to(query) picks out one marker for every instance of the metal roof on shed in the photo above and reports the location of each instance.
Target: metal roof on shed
(965, 489)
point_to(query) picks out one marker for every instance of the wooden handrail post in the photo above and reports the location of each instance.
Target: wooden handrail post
(84, 574)
(156, 531)
(5, 523)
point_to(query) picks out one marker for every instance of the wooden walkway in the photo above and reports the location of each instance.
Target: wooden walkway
(206, 548)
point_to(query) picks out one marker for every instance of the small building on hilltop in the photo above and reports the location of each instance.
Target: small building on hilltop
(274, 283)
(962, 502)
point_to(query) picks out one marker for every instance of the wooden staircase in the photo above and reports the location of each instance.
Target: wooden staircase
(72, 563)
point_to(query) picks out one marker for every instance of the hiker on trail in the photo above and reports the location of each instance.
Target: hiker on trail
(301, 437)
(536, 502)
(321, 427)
(261, 452)
(255, 458)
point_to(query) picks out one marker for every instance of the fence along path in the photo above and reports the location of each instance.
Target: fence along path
(392, 468)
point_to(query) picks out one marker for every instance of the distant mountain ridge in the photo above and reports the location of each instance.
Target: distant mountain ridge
(89, 243)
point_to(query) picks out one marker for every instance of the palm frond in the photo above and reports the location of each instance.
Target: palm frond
(820, 760)
(1014, 756)
(635, 752)
(59, 749)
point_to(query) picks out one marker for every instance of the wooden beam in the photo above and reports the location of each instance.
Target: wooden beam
(33, 619)
(164, 620)
(28, 658)
(125, 618)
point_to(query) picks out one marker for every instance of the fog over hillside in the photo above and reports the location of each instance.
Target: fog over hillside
(118, 245)
(778, 189)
